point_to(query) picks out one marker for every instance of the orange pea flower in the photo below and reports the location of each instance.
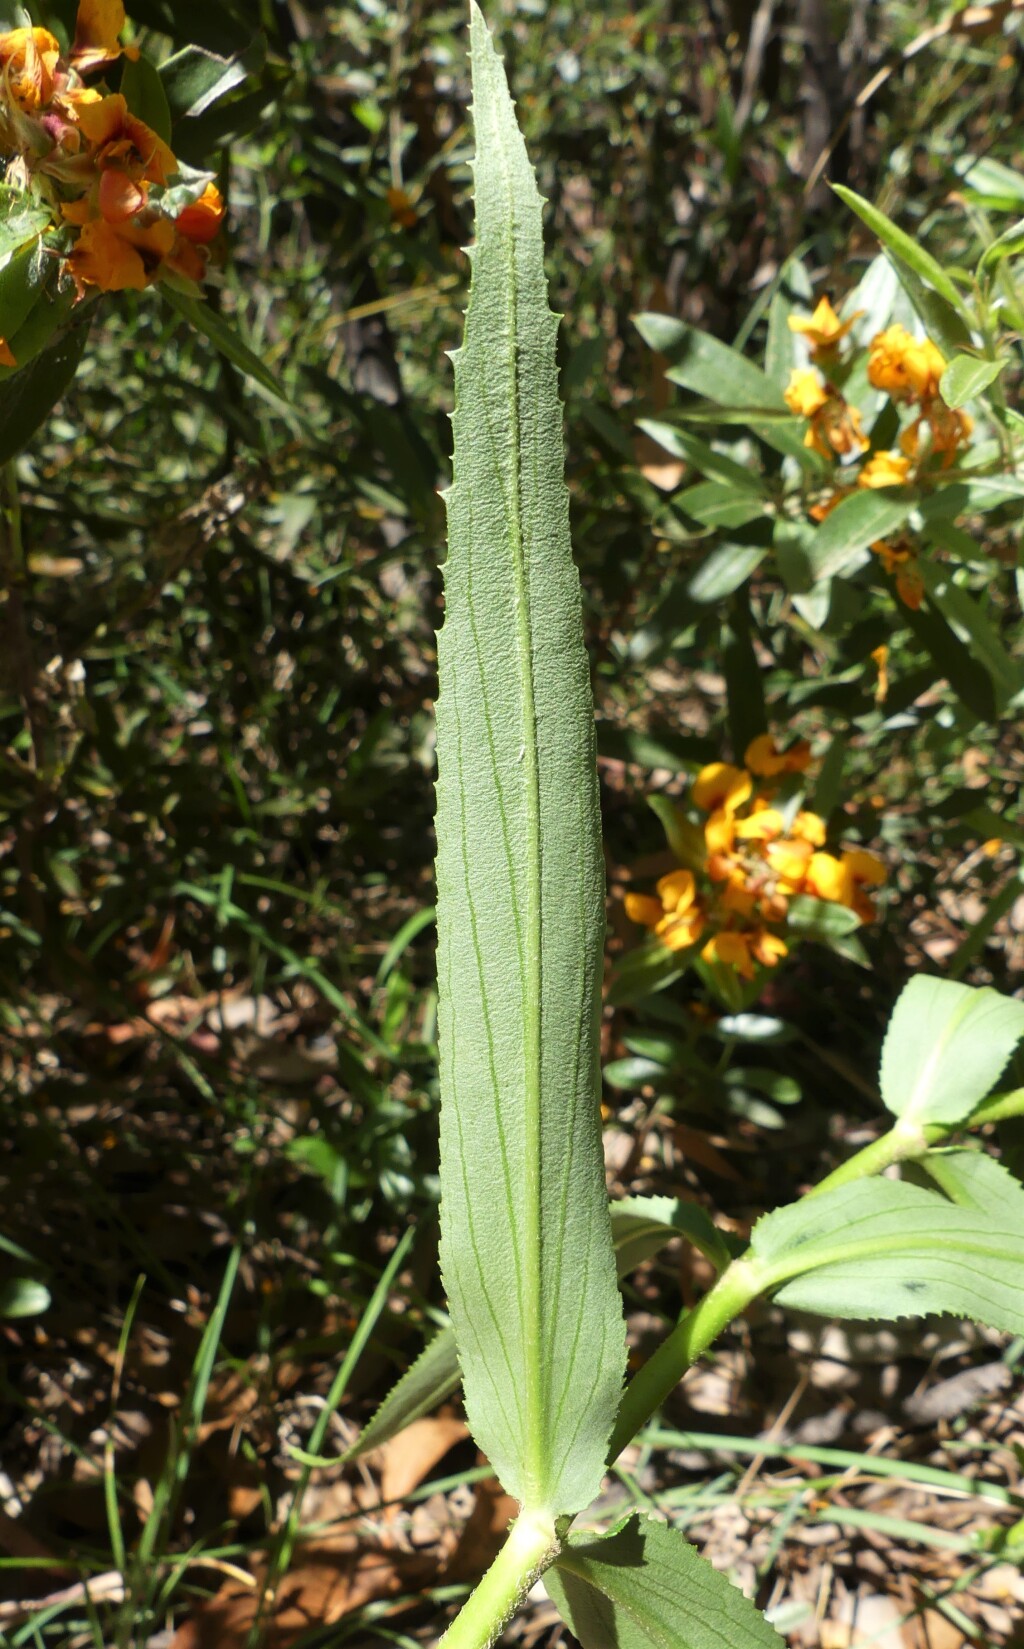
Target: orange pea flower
(720, 785)
(201, 221)
(28, 62)
(764, 757)
(884, 469)
(97, 27)
(117, 257)
(823, 330)
(123, 141)
(6, 354)
(906, 368)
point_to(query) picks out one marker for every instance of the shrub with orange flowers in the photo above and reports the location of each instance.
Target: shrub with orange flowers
(906, 368)
(757, 861)
(94, 199)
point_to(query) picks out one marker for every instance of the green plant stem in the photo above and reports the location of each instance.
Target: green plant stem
(905, 1144)
(531, 1547)
(646, 1392)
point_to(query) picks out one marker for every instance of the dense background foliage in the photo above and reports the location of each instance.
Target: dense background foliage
(216, 680)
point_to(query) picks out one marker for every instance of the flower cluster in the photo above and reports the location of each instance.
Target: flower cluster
(908, 370)
(123, 211)
(757, 854)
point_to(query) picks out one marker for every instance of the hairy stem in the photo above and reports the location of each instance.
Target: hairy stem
(531, 1547)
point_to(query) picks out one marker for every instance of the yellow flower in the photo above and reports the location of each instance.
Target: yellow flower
(906, 368)
(823, 330)
(880, 659)
(808, 827)
(884, 469)
(677, 890)
(720, 785)
(764, 757)
(643, 909)
(719, 832)
(733, 949)
(789, 858)
(864, 870)
(768, 948)
(828, 878)
(680, 932)
(762, 825)
(28, 61)
(805, 394)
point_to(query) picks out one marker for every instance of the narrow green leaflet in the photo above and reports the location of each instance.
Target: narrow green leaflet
(223, 337)
(723, 571)
(710, 368)
(717, 504)
(644, 1587)
(966, 376)
(704, 458)
(526, 1245)
(881, 1249)
(969, 679)
(963, 612)
(426, 1383)
(34, 391)
(944, 1049)
(904, 246)
(839, 543)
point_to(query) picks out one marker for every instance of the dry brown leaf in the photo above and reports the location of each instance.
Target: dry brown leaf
(485, 1532)
(404, 1461)
(333, 1578)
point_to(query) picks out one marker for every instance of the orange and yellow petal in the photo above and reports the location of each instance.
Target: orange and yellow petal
(764, 757)
(805, 394)
(823, 330)
(720, 832)
(97, 27)
(829, 878)
(6, 354)
(643, 909)
(120, 198)
(720, 785)
(125, 257)
(123, 141)
(28, 60)
(680, 932)
(809, 827)
(760, 826)
(884, 469)
(789, 858)
(768, 948)
(201, 221)
(677, 890)
(733, 949)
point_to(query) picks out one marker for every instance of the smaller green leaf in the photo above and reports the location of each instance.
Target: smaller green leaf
(975, 1180)
(714, 465)
(961, 610)
(23, 1297)
(945, 1047)
(966, 376)
(708, 367)
(194, 79)
(24, 276)
(1009, 244)
(719, 504)
(724, 570)
(225, 339)
(969, 680)
(990, 182)
(644, 1587)
(433, 1377)
(645, 970)
(143, 91)
(21, 219)
(839, 544)
(685, 838)
(905, 247)
(820, 919)
(641, 1226)
(33, 392)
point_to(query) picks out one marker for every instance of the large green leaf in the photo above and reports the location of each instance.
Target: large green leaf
(526, 1243)
(945, 1046)
(644, 1587)
(884, 1249)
